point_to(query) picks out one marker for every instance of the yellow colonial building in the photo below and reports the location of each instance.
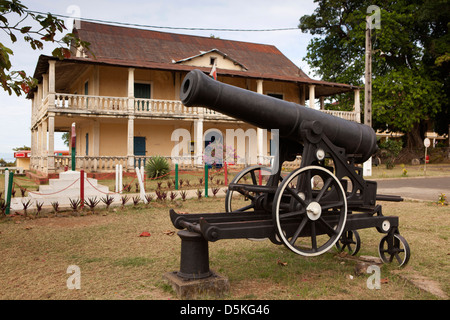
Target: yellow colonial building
(123, 96)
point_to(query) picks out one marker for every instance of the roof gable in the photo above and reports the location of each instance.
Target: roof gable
(221, 60)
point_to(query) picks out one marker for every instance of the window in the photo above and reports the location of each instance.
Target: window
(212, 61)
(87, 144)
(142, 90)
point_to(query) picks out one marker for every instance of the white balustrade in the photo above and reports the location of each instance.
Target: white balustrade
(93, 103)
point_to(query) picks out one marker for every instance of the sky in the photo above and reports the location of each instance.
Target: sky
(235, 14)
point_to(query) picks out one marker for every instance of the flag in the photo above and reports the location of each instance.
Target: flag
(213, 72)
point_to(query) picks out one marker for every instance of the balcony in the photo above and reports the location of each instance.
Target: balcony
(142, 108)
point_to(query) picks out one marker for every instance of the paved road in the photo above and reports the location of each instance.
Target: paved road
(428, 188)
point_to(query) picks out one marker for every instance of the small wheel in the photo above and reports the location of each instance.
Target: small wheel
(349, 242)
(252, 174)
(310, 210)
(394, 247)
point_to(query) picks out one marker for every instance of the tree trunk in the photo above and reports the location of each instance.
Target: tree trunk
(414, 138)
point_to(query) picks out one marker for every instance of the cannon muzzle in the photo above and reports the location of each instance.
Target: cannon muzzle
(269, 113)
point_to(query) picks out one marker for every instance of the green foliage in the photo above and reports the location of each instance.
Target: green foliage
(21, 148)
(410, 61)
(50, 26)
(156, 167)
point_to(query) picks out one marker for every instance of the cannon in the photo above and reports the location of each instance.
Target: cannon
(316, 207)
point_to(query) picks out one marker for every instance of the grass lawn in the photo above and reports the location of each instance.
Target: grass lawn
(116, 263)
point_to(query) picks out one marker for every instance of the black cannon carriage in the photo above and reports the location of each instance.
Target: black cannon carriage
(318, 206)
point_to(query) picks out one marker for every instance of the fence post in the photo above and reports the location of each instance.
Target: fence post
(74, 139)
(117, 178)
(82, 188)
(260, 177)
(225, 168)
(206, 181)
(176, 176)
(8, 195)
(141, 184)
(6, 179)
(120, 177)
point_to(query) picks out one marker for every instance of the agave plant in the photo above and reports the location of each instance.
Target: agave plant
(148, 198)
(26, 205)
(92, 203)
(55, 206)
(136, 200)
(156, 167)
(2, 206)
(75, 204)
(124, 199)
(173, 195)
(108, 200)
(39, 206)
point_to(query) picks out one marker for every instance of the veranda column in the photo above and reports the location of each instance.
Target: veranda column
(303, 95)
(131, 90)
(198, 140)
(51, 143)
(259, 131)
(39, 140)
(43, 164)
(312, 97)
(322, 103)
(51, 83)
(33, 147)
(130, 139)
(96, 139)
(130, 144)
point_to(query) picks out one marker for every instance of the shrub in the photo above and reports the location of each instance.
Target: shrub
(156, 167)
(75, 204)
(391, 148)
(108, 200)
(55, 206)
(124, 199)
(39, 207)
(92, 203)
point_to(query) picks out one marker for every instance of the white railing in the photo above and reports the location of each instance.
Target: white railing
(158, 107)
(146, 107)
(347, 115)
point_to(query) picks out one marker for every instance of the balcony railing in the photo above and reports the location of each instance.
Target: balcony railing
(92, 103)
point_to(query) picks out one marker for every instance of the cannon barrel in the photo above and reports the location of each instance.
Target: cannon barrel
(269, 113)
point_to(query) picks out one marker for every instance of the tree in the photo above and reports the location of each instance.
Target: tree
(49, 27)
(407, 89)
(66, 138)
(21, 148)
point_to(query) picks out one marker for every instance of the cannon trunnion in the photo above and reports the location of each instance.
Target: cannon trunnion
(318, 206)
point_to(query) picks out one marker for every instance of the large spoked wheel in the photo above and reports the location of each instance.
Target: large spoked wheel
(394, 249)
(349, 242)
(240, 199)
(310, 211)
